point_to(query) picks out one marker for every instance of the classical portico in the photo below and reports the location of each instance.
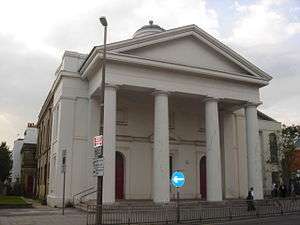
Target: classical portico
(174, 100)
(161, 144)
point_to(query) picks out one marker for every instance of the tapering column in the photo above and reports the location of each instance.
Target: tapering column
(161, 183)
(231, 173)
(109, 152)
(255, 178)
(213, 155)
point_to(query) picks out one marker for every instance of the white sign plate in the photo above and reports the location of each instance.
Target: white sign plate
(98, 141)
(63, 163)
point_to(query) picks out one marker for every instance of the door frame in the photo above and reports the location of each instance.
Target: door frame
(124, 176)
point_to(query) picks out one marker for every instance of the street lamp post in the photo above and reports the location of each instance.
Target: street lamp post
(103, 21)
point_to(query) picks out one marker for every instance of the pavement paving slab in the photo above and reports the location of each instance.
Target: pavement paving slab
(42, 217)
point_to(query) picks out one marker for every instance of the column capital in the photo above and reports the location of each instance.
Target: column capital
(211, 99)
(252, 104)
(160, 92)
(110, 85)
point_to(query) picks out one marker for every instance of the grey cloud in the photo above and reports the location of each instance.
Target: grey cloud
(125, 17)
(282, 61)
(25, 78)
(84, 31)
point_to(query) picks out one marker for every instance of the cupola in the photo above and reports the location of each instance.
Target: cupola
(148, 29)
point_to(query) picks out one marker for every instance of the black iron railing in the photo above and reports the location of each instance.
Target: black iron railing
(77, 196)
(200, 213)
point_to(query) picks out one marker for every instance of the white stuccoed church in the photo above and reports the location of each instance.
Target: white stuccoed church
(174, 100)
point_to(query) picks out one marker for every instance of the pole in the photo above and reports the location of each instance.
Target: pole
(100, 178)
(178, 210)
(64, 187)
(63, 170)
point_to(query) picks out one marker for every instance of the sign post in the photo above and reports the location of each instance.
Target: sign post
(99, 151)
(63, 170)
(178, 180)
(98, 171)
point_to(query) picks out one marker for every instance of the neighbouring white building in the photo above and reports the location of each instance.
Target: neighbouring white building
(174, 100)
(16, 168)
(23, 168)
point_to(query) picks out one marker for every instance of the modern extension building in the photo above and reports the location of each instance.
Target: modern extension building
(174, 100)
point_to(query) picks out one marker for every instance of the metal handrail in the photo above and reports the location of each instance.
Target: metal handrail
(89, 193)
(81, 192)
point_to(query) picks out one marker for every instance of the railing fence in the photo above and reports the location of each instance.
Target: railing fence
(167, 214)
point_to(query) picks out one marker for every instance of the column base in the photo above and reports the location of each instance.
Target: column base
(54, 201)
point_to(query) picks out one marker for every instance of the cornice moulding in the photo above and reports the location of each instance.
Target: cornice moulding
(130, 59)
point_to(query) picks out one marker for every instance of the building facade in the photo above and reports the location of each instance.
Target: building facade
(174, 100)
(44, 126)
(28, 163)
(269, 132)
(296, 164)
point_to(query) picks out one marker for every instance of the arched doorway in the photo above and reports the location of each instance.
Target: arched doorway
(203, 177)
(120, 166)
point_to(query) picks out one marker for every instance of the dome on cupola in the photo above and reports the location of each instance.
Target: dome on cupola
(148, 29)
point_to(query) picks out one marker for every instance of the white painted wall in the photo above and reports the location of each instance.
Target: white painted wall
(188, 51)
(16, 169)
(76, 118)
(30, 135)
(266, 128)
(70, 131)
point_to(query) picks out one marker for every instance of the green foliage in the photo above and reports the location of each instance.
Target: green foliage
(11, 200)
(5, 162)
(288, 137)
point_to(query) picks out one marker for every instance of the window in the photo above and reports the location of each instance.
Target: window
(170, 166)
(273, 147)
(55, 122)
(171, 119)
(122, 116)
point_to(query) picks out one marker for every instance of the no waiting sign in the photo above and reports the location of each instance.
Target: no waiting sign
(98, 141)
(98, 167)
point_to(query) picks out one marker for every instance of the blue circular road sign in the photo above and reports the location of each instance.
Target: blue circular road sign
(178, 179)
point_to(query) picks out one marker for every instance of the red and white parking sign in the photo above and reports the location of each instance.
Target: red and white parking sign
(98, 141)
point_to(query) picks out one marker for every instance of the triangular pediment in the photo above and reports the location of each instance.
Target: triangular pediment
(188, 51)
(187, 48)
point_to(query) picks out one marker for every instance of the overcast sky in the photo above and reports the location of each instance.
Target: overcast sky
(34, 35)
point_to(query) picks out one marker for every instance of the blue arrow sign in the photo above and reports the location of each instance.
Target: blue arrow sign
(178, 179)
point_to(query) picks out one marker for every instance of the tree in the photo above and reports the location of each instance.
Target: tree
(5, 162)
(287, 139)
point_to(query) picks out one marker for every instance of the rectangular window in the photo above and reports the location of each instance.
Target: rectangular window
(171, 119)
(122, 116)
(170, 166)
(273, 147)
(55, 122)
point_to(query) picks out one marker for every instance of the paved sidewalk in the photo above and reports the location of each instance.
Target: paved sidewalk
(45, 216)
(292, 219)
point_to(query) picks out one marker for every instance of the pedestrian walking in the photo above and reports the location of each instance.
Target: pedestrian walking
(250, 202)
(274, 192)
(292, 187)
(282, 191)
(252, 192)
